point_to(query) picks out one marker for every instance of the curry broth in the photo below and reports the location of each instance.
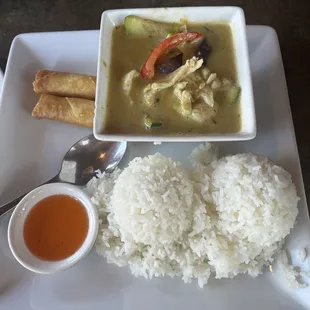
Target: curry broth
(130, 52)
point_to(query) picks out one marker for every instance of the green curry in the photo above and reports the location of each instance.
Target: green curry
(189, 87)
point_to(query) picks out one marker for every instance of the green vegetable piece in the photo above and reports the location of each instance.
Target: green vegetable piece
(152, 124)
(229, 95)
(138, 26)
(156, 125)
(233, 94)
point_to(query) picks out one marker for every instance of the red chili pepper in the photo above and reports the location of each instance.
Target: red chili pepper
(148, 70)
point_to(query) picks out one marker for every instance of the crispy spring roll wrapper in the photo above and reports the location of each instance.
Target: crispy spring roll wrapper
(75, 111)
(65, 84)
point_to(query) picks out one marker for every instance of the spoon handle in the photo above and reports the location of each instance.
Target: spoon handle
(10, 205)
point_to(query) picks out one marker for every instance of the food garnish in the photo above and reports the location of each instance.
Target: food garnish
(148, 70)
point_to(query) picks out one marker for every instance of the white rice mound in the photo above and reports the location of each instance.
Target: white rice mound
(150, 213)
(293, 277)
(255, 199)
(204, 154)
(256, 207)
(147, 193)
(224, 217)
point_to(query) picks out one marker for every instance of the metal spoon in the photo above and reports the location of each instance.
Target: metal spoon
(80, 163)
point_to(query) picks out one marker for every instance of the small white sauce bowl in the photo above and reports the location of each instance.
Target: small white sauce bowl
(17, 221)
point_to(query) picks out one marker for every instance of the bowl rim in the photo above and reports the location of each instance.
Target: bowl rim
(44, 191)
(245, 133)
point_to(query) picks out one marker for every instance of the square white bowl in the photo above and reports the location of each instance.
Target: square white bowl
(231, 15)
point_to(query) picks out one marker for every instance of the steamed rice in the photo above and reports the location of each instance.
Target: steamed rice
(147, 193)
(287, 273)
(224, 217)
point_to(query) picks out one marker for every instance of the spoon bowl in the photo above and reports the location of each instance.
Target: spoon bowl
(82, 162)
(87, 157)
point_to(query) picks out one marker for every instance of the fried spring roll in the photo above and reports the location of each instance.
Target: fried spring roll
(65, 84)
(68, 110)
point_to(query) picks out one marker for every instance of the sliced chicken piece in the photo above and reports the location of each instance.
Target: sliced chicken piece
(196, 77)
(211, 78)
(178, 89)
(205, 72)
(201, 86)
(202, 113)
(206, 95)
(195, 81)
(185, 97)
(172, 79)
(216, 84)
(198, 90)
(149, 95)
(186, 102)
(128, 81)
(178, 75)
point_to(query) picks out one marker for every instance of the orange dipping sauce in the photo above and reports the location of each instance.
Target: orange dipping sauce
(56, 227)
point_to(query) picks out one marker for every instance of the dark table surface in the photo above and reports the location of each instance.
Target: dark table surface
(290, 18)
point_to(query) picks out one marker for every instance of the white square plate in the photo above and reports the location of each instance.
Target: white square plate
(233, 16)
(31, 152)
